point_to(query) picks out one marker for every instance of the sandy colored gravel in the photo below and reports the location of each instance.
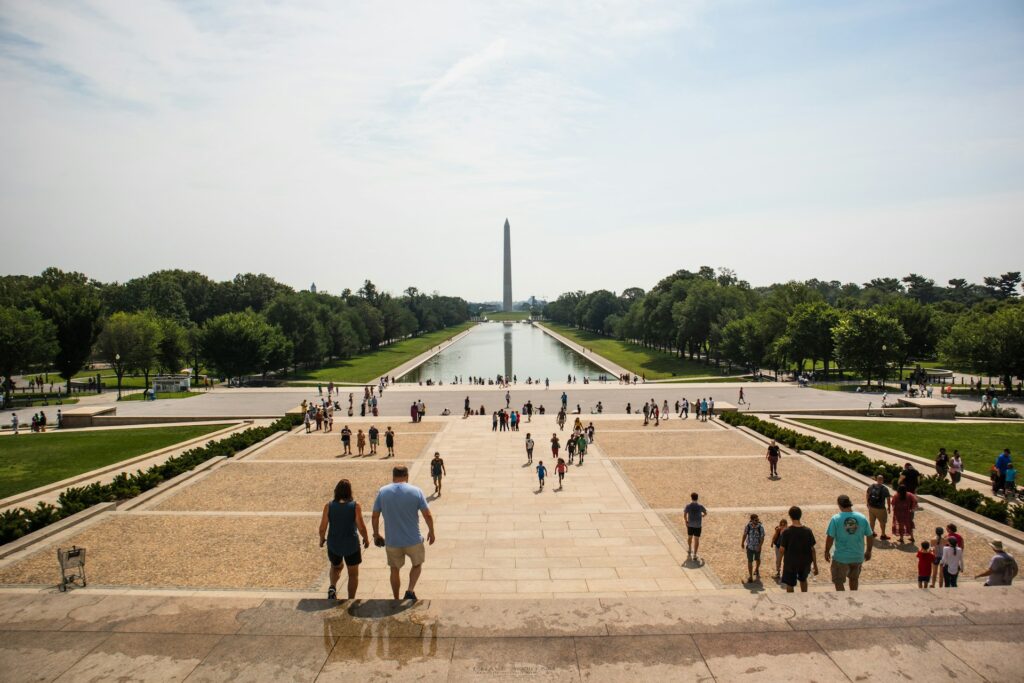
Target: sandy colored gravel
(720, 548)
(671, 425)
(222, 552)
(327, 446)
(280, 487)
(732, 482)
(678, 443)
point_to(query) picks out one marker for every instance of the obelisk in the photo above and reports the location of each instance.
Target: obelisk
(506, 302)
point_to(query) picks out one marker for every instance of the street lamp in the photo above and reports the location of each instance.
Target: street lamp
(884, 366)
(117, 362)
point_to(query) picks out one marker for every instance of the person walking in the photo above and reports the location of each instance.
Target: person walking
(909, 477)
(360, 442)
(1002, 568)
(374, 439)
(529, 449)
(555, 445)
(937, 544)
(339, 524)
(14, 423)
(751, 542)
(952, 562)
(694, 514)
(401, 504)
(776, 535)
(773, 456)
(903, 505)
(942, 464)
(542, 472)
(389, 442)
(1002, 464)
(878, 499)
(848, 531)
(346, 440)
(799, 557)
(741, 401)
(437, 471)
(956, 468)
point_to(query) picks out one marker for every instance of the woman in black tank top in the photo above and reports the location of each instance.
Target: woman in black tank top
(341, 521)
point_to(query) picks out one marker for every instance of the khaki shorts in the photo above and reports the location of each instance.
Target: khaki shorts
(841, 571)
(880, 514)
(396, 556)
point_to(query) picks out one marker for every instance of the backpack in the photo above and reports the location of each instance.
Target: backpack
(876, 498)
(1010, 569)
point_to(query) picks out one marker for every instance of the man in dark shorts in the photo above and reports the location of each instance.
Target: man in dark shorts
(389, 442)
(774, 453)
(374, 439)
(554, 445)
(437, 471)
(346, 441)
(694, 514)
(796, 546)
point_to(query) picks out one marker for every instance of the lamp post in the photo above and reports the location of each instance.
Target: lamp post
(884, 366)
(117, 362)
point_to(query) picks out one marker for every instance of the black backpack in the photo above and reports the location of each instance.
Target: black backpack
(876, 496)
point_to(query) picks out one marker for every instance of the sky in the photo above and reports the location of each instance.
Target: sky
(333, 142)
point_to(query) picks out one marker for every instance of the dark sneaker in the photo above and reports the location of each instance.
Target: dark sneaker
(332, 594)
(409, 595)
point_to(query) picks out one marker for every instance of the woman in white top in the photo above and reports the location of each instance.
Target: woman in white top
(952, 561)
(956, 468)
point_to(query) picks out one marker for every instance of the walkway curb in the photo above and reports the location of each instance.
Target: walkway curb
(49, 530)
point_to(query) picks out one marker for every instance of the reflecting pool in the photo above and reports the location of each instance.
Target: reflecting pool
(493, 348)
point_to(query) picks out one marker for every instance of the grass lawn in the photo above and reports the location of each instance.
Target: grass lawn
(140, 395)
(979, 444)
(640, 361)
(511, 315)
(367, 366)
(34, 460)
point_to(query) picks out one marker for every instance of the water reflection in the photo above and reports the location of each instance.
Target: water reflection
(512, 349)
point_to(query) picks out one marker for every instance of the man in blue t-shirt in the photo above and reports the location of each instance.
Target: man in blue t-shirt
(694, 515)
(1002, 463)
(401, 504)
(848, 531)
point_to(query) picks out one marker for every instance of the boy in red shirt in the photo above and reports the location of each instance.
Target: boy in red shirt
(925, 559)
(560, 469)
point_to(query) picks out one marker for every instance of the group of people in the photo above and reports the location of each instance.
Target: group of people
(849, 543)
(39, 421)
(372, 435)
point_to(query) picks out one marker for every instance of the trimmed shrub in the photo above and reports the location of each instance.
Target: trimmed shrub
(15, 523)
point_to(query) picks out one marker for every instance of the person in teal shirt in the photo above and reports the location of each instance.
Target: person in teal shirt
(848, 531)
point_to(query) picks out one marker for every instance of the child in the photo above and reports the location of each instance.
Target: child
(938, 543)
(570, 447)
(541, 473)
(560, 469)
(582, 448)
(925, 562)
(529, 449)
(1010, 488)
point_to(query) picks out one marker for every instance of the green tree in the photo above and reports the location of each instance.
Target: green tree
(1004, 286)
(73, 305)
(297, 316)
(27, 340)
(918, 323)
(867, 341)
(809, 334)
(173, 347)
(130, 342)
(988, 342)
(238, 344)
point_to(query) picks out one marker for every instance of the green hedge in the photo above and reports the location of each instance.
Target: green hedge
(15, 523)
(969, 499)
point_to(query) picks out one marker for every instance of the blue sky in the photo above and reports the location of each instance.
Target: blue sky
(333, 142)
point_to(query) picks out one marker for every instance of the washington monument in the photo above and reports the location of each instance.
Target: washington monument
(507, 298)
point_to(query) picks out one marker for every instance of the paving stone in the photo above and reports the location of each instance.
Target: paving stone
(389, 659)
(625, 659)
(540, 659)
(142, 657)
(907, 654)
(717, 442)
(264, 658)
(790, 657)
(992, 651)
(43, 655)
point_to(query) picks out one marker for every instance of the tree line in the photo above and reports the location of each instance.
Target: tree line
(172, 319)
(714, 316)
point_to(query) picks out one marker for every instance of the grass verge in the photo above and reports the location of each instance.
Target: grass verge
(30, 461)
(367, 366)
(637, 359)
(979, 444)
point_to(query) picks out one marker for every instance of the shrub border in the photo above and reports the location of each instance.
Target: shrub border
(17, 522)
(969, 499)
